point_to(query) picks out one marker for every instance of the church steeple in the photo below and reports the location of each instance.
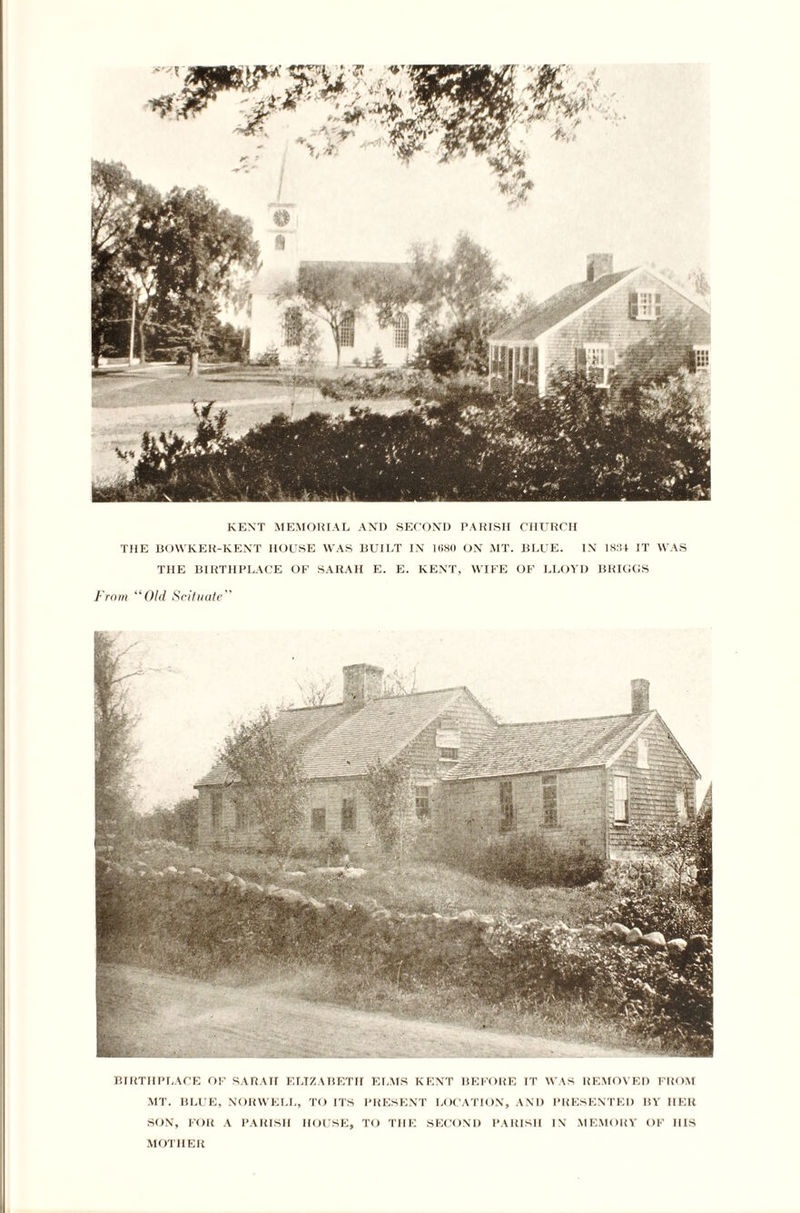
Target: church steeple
(280, 259)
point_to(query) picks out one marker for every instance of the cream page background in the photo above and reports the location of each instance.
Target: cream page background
(73, 1145)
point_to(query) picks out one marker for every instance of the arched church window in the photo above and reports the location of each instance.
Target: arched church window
(347, 330)
(280, 243)
(292, 326)
(401, 332)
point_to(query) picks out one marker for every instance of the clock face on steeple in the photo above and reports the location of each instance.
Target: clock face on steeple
(280, 217)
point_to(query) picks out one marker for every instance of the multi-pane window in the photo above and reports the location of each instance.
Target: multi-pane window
(347, 330)
(506, 806)
(550, 800)
(641, 754)
(401, 332)
(348, 813)
(599, 360)
(292, 326)
(216, 810)
(646, 305)
(448, 743)
(621, 802)
(318, 819)
(422, 802)
(702, 357)
(280, 244)
(242, 816)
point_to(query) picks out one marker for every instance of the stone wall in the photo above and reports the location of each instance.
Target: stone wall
(192, 921)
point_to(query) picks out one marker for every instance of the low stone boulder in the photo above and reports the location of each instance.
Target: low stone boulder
(634, 937)
(676, 947)
(697, 943)
(655, 940)
(618, 930)
(590, 930)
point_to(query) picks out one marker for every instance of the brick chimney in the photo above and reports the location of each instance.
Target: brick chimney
(361, 683)
(598, 265)
(640, 696)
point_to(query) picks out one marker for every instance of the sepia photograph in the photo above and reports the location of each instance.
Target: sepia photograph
(401, 283)
(403, 844)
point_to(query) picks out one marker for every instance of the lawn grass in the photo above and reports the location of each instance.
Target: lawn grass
(120, 387)
(415, 886)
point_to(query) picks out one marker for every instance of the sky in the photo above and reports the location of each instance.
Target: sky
(204, 681)
(637, 188)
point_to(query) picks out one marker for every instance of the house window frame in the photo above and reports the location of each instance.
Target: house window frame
(422, 803)
(280, 243)
(292, 328)
(648, 305)
(642, 754)
(348, 818)
(591, 350)
(319, 822)
(347, 330)
(242, 815)
(624, 820)
(702, 352)
(550, 811)
(508, 814)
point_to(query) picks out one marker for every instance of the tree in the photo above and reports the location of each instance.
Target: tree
(268, 774)
(387, 792)
(204, 257)
(315, 690)
(675, 845)
(118, 202)
(449, 110)
(331, 291)
(115, 722)
(698, 280)
(461, 298)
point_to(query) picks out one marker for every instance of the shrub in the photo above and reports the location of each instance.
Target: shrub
(525, 860)
(269, 358)
(457, 442)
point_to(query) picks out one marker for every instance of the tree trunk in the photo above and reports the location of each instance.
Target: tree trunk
(133, 328)
(194, 363)
(142, 341)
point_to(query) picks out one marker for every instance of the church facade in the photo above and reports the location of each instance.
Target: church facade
(365, 334)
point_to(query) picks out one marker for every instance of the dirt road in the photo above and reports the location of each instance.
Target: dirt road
(146, 1014)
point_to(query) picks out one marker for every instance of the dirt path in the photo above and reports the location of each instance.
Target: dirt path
(146, 1014)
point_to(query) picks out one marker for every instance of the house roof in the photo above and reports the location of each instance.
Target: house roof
(338, 743)
(570, 299)
(555, 309)
(549, 745)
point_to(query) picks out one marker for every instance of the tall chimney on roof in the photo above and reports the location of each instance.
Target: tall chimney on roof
(360, 684)
(598, 265)
(640, 696)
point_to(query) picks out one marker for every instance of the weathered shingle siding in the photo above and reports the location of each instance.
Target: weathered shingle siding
(330, 795)
(421, 763)
(608, 322)
(472, 808)
(651, 790)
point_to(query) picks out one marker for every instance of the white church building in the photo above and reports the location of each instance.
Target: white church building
(277, 316)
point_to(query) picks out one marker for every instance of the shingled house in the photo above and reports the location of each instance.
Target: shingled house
(601, 781)
(588, 326)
